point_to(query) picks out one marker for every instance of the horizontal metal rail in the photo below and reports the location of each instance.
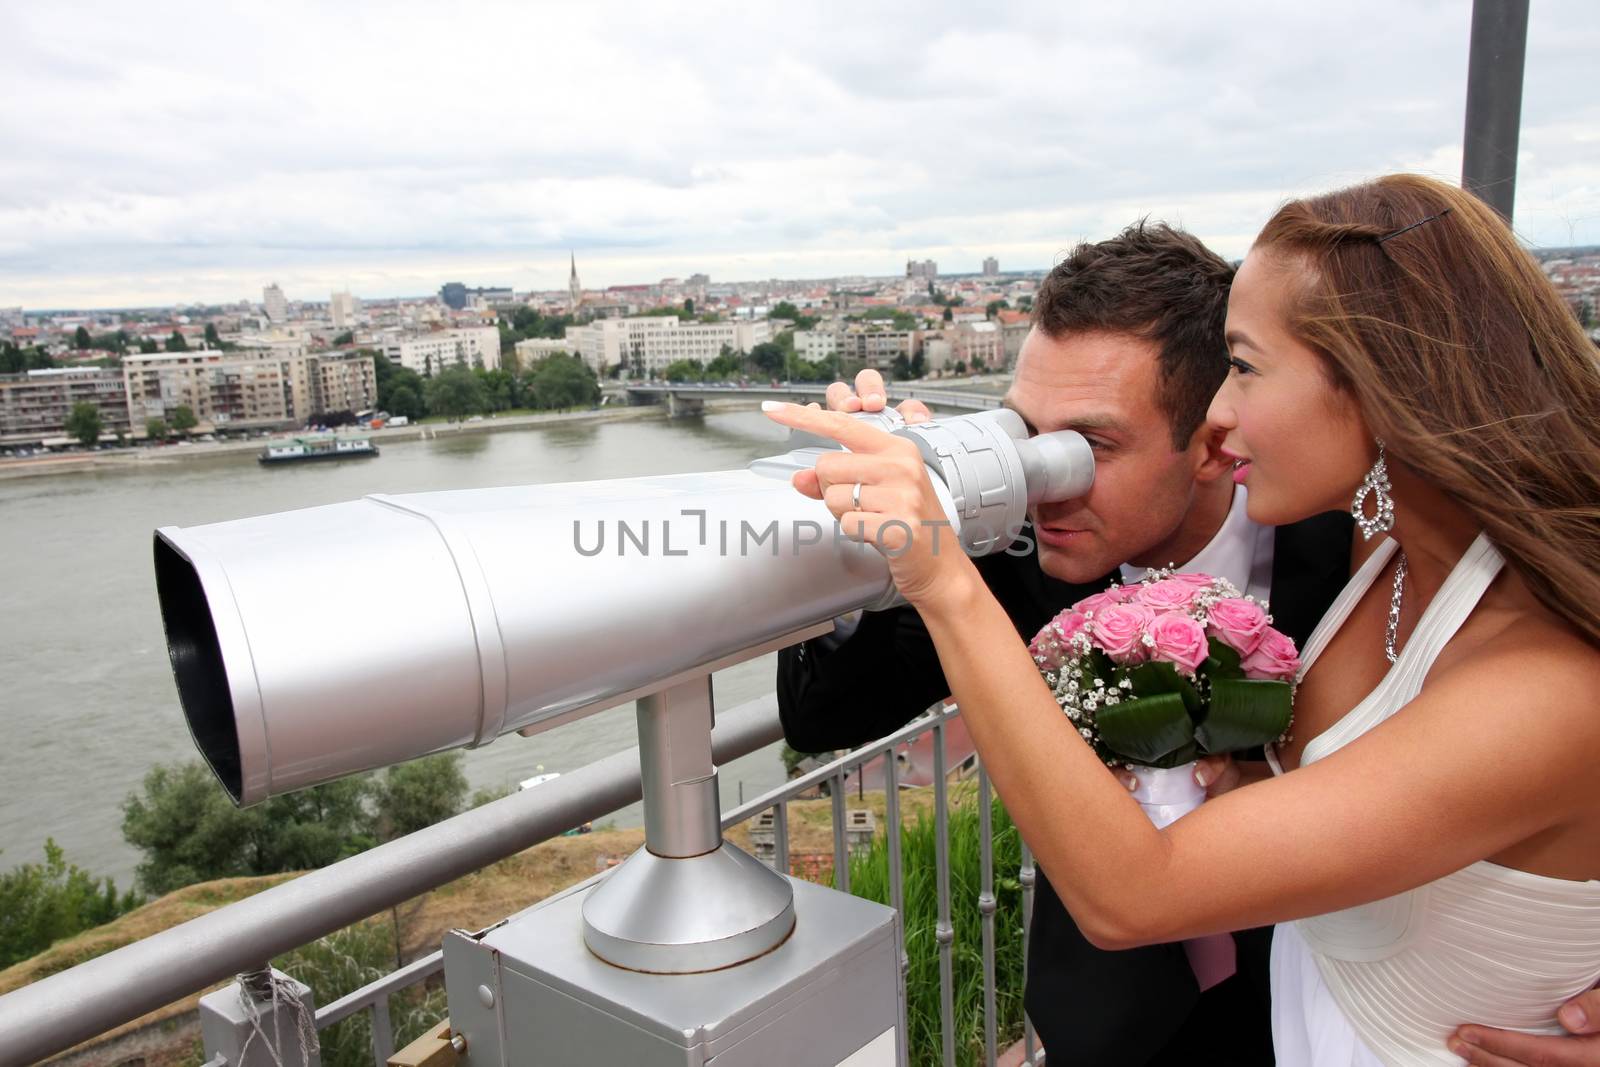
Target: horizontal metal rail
(57, 1012)
(951, 398)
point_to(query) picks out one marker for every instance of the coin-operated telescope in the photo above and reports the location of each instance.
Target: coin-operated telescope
(530, 606)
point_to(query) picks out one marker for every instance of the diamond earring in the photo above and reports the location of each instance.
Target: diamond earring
(1377, 483)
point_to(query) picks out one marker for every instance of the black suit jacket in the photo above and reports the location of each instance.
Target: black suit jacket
(1090, 1006)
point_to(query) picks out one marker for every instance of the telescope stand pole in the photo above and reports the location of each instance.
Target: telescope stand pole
(682, 815)
(688, 901)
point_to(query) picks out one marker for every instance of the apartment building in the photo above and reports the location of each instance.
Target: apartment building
(863, 346)
(647, 345)
(345, 380)
(246, 388)
(971, 342)
(34, 406)
(430, 353)
(816, 345)
(274, 384)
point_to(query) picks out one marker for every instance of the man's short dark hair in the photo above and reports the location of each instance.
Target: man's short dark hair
(1157, 283)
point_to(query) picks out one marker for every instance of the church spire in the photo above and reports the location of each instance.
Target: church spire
(574, 289)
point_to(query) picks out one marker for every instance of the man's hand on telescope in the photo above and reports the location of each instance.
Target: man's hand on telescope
(880, 493)
(870, 394)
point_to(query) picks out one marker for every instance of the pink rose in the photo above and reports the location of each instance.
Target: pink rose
(1052, 645)
(1238, 623)
(1274, 657)
(1117, 594)
(1170, 594)
(1200, 583)
(1120, 631)
(1179, 640)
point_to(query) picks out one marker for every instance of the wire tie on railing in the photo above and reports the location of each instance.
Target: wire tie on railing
(258, 987)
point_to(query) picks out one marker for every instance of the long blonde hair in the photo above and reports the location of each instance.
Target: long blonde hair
(1468, 364)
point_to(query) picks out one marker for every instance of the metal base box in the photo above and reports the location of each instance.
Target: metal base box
(528, 992)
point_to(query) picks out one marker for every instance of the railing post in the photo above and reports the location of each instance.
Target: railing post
(897, 893)
(1026, 877)
(841, 853)
(263, 1018)
(986, 909)
(944, 932)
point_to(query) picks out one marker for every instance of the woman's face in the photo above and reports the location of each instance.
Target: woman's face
(1303, 445)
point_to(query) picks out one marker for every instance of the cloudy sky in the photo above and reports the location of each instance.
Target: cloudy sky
(155, 153)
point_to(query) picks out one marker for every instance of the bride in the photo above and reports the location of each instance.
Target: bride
(1429, 841)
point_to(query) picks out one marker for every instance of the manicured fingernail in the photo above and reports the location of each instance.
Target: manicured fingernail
(1460, 1048)
(870, 397)
(773, 405)
(1202, 776)
(1129, 782)
(1572, 1017)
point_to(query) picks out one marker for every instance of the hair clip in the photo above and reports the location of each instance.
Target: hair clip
(1414, 225)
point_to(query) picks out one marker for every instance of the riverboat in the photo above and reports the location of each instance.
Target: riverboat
(305, 449)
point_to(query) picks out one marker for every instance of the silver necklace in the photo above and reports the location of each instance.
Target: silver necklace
(1394, 609)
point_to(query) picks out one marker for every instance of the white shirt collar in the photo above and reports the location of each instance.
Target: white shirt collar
(1241, 552)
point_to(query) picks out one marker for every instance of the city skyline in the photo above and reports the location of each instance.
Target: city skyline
(196, 156)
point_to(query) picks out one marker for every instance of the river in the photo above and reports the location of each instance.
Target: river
(87, 703)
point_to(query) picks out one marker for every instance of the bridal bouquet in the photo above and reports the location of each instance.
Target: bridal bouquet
(1157, 674)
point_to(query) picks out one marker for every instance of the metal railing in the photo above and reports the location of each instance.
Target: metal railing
(950, 398)
(76, 1005)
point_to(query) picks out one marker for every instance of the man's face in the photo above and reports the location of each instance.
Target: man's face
(1103, 385)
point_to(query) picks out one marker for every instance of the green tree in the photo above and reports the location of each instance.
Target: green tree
(415, 795)
(80, 339)
(212, 338)
(190, 831)
(992, 308)
(768, 358)
(684, 370)
(728, 364)
(949, 316)
(183, 419)
(404, 399)
(111, 342)
(346, 338)
(919, 366)
(176, 343)
(43, 903)
(784, 310)
(148, 345)
(400, 389)
(501, 388)
(84, 423)
(157, 429)
(455, 393)
(1025, 303)
(900, 369)
(978, 365)
(688, 306)
(960, 367)
(563, 381)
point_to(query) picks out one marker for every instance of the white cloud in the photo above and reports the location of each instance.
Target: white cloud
(197, 152)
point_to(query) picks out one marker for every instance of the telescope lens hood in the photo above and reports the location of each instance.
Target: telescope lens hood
(197, 666)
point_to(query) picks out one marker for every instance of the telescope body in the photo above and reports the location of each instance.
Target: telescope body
(523, 606)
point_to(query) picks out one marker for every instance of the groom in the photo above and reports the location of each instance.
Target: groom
(1126, 348)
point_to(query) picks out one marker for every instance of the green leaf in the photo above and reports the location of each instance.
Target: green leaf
(1153, 679)
(1245, 713)
(1146, 729)
(1222, 663)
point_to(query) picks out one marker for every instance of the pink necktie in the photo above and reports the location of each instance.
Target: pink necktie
(1212, 958)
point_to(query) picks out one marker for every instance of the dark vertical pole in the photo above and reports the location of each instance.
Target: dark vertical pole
(1494, 101)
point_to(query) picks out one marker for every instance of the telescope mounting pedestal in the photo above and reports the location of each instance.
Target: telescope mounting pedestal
(688, 901)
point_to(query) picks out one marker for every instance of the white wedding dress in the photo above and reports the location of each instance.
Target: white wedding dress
(1388, 982)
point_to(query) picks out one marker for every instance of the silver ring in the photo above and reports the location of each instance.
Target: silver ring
(855, 497)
